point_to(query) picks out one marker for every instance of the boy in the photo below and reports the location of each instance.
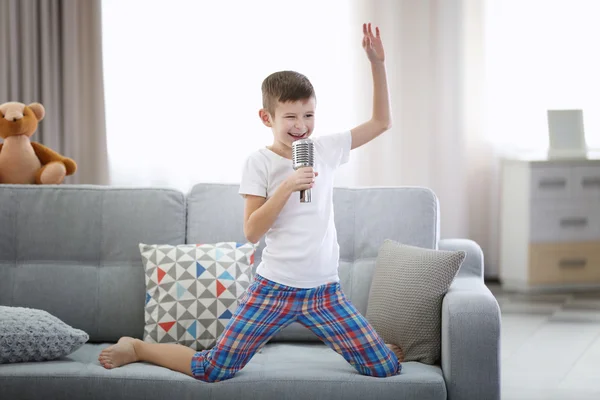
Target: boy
(297, 280)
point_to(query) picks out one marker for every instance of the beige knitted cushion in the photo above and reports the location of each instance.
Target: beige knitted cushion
(406, 295)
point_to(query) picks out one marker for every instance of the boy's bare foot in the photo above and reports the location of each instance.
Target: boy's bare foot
(119, 354)
(397, 351)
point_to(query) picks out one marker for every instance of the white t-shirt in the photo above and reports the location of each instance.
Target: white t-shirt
(301, 247)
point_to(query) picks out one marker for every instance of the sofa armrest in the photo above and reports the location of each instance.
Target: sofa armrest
(473, 263)
(471, 341)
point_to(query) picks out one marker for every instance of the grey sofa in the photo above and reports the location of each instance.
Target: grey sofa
(73, 251)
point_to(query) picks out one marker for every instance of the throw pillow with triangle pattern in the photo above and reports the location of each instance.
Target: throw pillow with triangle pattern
(192, 290)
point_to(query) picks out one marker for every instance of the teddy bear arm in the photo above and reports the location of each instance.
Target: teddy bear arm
(47, 155)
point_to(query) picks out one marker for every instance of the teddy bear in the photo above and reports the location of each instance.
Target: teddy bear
(21, 160)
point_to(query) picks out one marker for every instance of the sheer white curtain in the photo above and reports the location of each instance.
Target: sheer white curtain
(540, 55)
(467, 78)
(183, 81)
(471, 80)
(183, 90)
(435, 58)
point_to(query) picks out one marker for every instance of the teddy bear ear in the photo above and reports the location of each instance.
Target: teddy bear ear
(38, 110)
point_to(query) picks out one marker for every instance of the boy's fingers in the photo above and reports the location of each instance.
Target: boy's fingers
(377, 31)
(365, 29)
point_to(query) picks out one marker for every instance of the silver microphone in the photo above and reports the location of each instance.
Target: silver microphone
(303, 155)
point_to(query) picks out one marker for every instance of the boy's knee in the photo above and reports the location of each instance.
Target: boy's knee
(214, 376)
(383, 370)
(211, 375)
(204, 371)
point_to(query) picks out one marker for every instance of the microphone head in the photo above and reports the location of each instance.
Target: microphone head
(303, 151)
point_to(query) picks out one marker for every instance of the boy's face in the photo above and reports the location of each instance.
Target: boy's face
(292, 121)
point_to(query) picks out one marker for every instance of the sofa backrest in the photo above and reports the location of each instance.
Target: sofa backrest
(73, 251)
(364, 218)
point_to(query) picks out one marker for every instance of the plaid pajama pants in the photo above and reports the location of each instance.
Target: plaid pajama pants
(268, 307)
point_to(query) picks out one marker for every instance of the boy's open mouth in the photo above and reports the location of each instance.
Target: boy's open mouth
(298, 135)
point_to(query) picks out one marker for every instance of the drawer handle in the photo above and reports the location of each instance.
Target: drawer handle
(567, 222)
(552, 183)
(591, 181)
(573, 263)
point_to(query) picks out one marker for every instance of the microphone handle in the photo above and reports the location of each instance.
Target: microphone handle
(305, 196)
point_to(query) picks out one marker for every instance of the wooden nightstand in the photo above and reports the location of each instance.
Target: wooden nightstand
(550, 224)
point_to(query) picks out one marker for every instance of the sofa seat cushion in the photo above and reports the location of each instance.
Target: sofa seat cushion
(281, 370)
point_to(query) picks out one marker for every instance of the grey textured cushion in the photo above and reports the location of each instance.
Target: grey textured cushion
(405, 302)
(28, 334)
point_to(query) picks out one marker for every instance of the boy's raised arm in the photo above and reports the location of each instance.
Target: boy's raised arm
(381, 119)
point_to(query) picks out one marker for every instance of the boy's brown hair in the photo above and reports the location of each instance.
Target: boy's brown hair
(284, 86)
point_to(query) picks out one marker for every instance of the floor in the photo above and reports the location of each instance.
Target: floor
(550, 345)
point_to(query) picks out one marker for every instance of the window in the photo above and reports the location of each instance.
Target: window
(540, 55)
(182, 81)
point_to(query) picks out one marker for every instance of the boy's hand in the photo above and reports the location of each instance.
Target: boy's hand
(301, 179)
(260, 214)
(372, 44)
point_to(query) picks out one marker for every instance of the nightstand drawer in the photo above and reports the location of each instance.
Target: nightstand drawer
(586, 182)
(568, 223)
(564, 263)
(551, 182)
